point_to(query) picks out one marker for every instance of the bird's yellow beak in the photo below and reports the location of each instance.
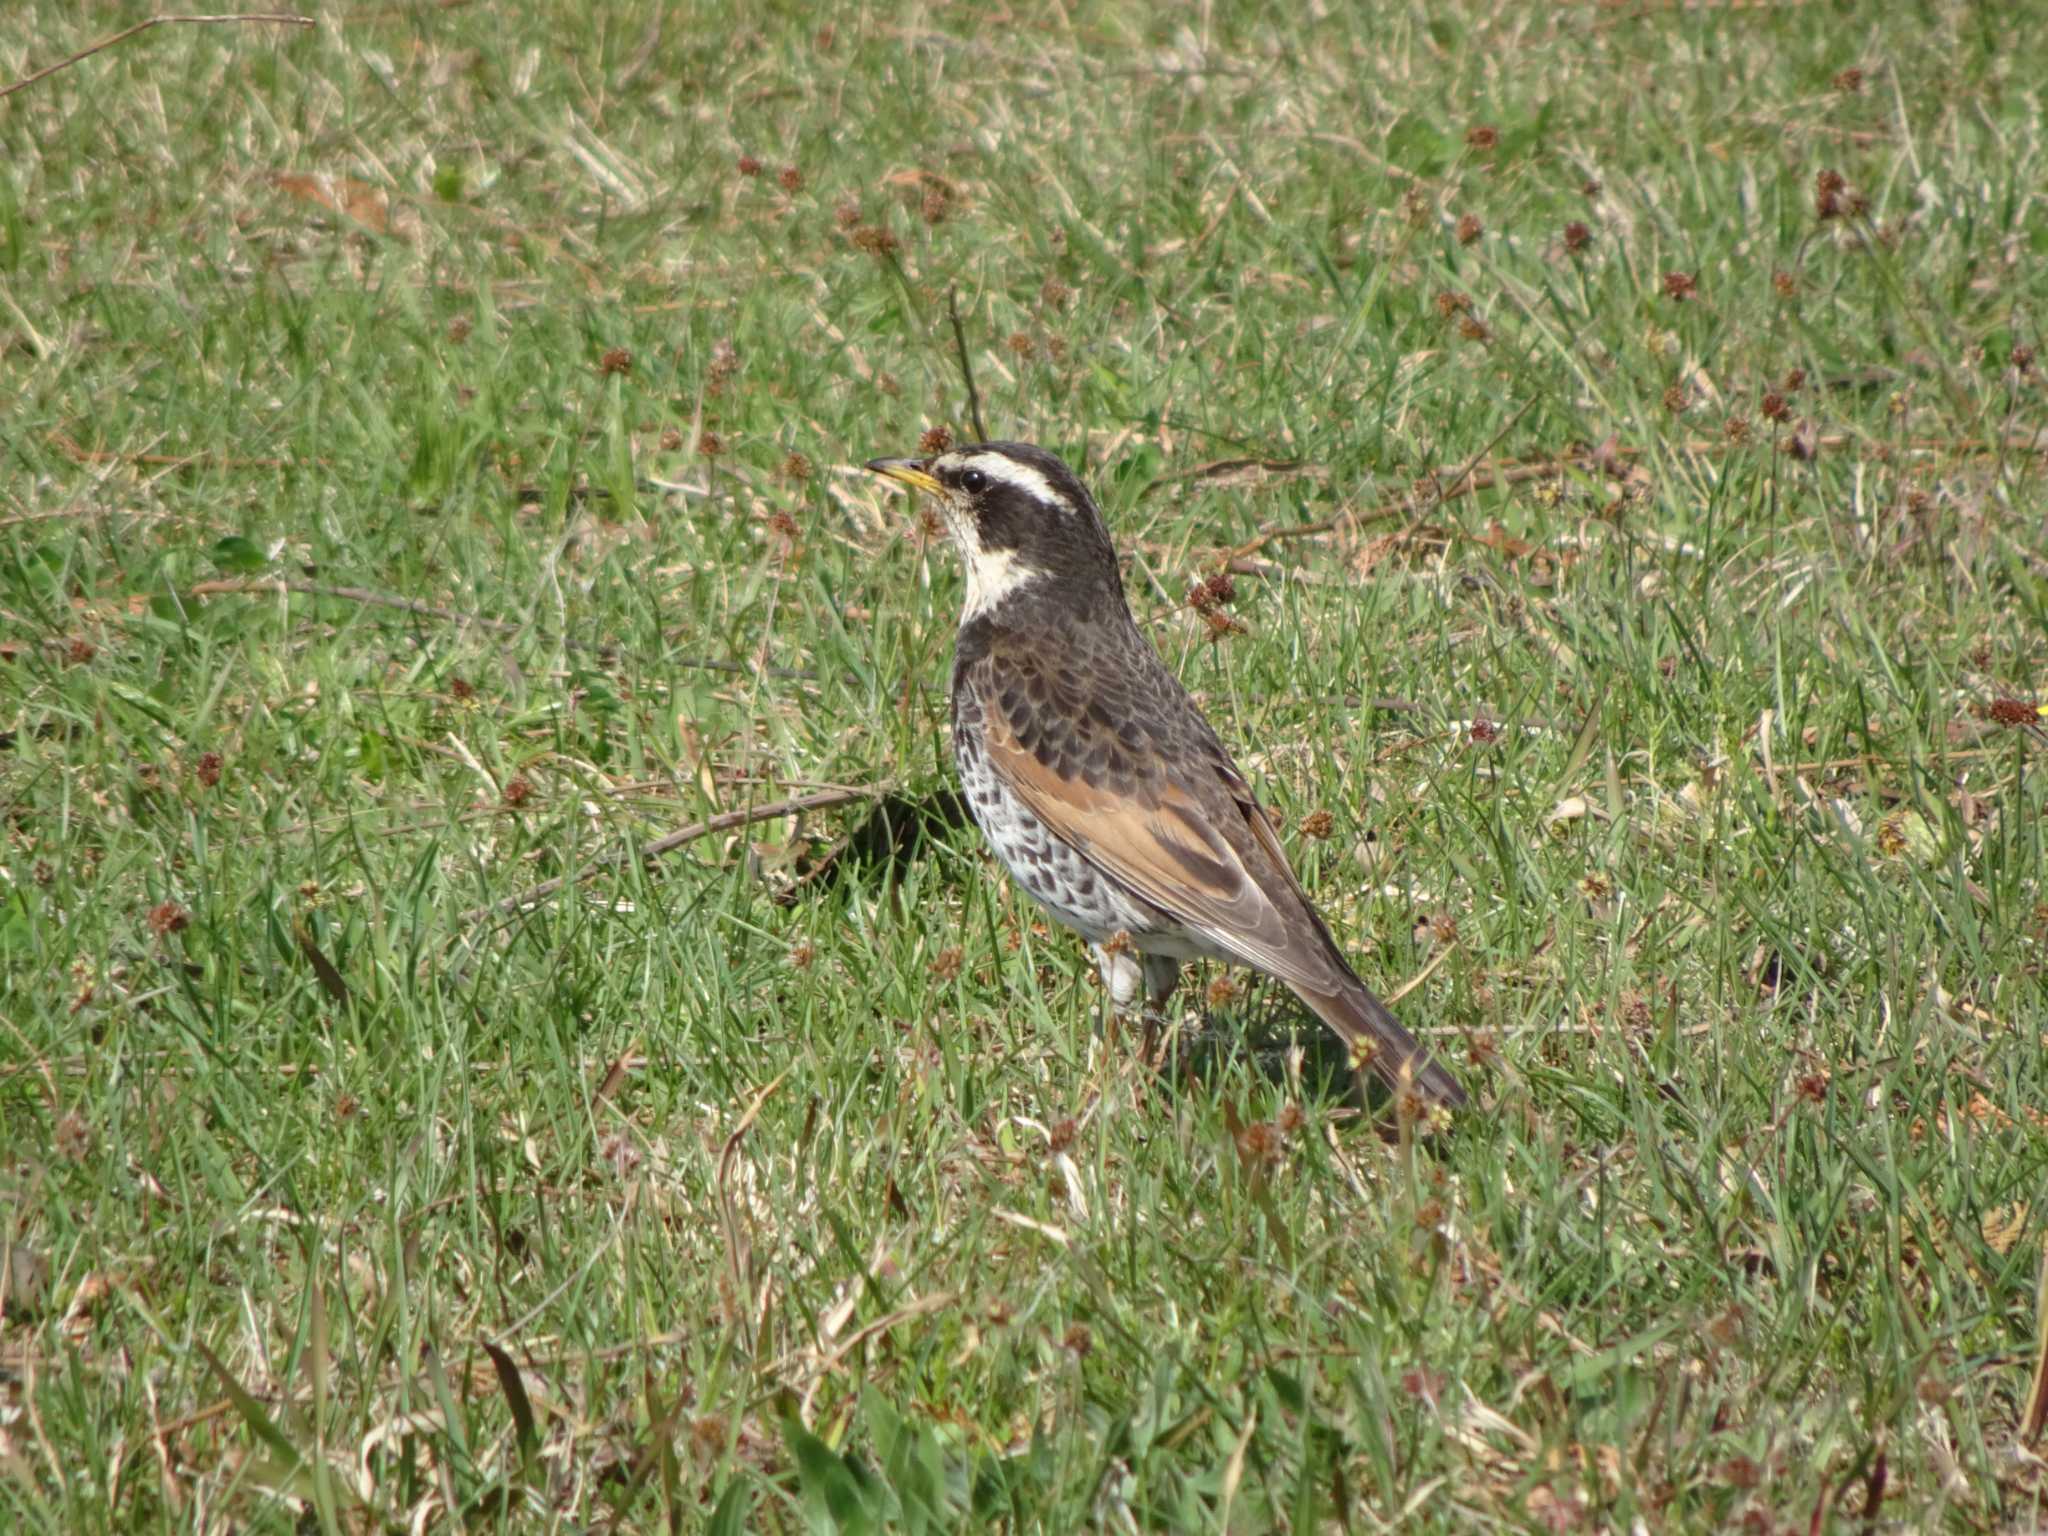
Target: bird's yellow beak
(910, 472)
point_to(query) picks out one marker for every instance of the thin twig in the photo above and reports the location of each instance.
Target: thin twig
(724, 821)
(966, 368)
(2035, 1419)
(1517, 471)
(228, 586)
(1422, 975)
(232, 585)
(270, 18)
(1456, 487)
(78, 453)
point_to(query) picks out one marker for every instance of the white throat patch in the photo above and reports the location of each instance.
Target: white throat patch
(993, 575)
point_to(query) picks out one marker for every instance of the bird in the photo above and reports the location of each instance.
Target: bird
(1095, 777)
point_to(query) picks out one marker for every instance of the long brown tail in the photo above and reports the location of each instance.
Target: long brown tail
(1363, 1023)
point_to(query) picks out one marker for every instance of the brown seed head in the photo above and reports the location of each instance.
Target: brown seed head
(1680, 286)
(671, 439)
(1077, 1340)
(1473, 329)
(1677, 400)
(1850, 80)
(167, 918)
(1577, 237)
(935, 207)
(459, 329)
(791, 178)
(1258, 1144)
(1786, 285)
(796, 467)
(875, 240)
(1469, 229)
(1774, 407)
(935, 440)
(1482, 136)
(1736, 428)
(208, 771)
(71, 1136)
(1211, 592)
(1830, 190)
(1021, 344)
(749, 166)
(518, 790)
(2013, 712)
(710, 445)
(1318, 824)
(1054, 294)
(616, 360)
(1221, 992)
(947, 964)
(847, 214)
(1411, 1107)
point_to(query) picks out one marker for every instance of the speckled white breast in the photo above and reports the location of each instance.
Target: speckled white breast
(1051, 873)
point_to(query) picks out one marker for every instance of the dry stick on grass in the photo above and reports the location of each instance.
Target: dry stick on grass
(2036, 1416)
(259, 18)
(1475, 479)
(1457, 487)
(233, 585)
(724, 821)
(966, 368)
(78, 453)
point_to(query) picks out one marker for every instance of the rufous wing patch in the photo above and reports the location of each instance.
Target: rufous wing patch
(1156, 839)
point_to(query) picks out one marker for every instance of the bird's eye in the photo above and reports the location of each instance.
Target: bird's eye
(974, 482)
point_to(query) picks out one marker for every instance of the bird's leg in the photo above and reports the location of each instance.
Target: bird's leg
(1122, 973)
(1162, 975)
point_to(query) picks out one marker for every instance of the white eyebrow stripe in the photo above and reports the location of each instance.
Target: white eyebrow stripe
(1024, 477)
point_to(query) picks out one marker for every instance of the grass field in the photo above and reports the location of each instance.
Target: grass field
(427, 467)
